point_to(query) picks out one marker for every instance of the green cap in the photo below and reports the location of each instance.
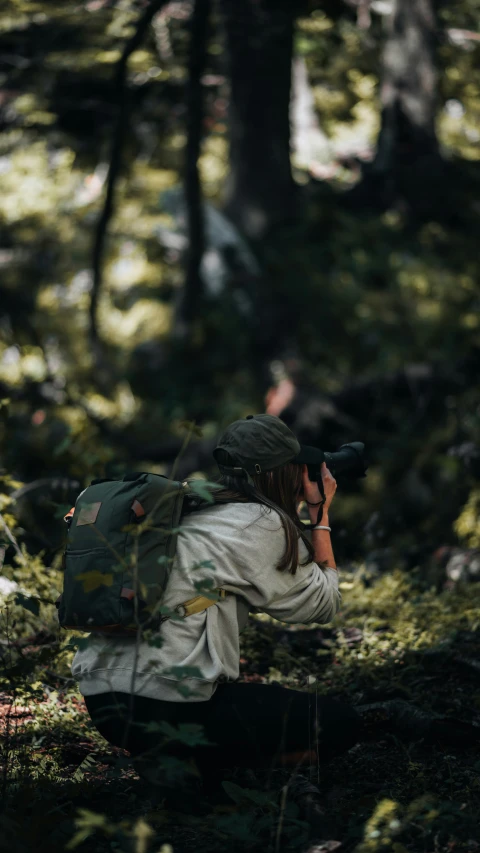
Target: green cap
(256, 444)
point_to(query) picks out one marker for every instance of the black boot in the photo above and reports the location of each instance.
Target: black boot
(410, 723)
(310, 802)
(394, 716)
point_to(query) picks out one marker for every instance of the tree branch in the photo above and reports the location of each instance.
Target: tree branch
(12, 540)
(461, 37)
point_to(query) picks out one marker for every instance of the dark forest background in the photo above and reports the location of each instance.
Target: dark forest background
(210, 209)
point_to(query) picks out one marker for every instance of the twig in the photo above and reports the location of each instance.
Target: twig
(7, 738)
(459, 37)
(57, 675)
(182, 450)
(12, 539)
(53, 482)
(281, 818)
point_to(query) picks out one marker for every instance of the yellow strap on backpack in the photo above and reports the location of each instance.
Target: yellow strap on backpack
(199, 603)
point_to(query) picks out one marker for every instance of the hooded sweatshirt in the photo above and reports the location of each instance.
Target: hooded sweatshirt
(238, 546)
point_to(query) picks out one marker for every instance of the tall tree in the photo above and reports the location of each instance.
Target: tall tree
(260, 188)
(408, 159)
(193, 193)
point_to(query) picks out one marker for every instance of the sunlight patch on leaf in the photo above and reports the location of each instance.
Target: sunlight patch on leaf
(94, 579)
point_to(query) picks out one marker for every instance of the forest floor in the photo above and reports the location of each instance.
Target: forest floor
(393, 638)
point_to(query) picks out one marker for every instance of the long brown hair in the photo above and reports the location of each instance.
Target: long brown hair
(278, 489)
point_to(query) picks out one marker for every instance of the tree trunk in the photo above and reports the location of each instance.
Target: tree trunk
(260, 189)
(408, 160)
(193, 193)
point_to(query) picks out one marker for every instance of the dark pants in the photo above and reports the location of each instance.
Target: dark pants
(248, 725)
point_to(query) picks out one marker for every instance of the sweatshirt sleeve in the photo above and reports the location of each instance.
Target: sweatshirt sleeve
(315, 597)
(310, 595)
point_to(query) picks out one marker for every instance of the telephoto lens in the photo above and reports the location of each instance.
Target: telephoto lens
(349, 460)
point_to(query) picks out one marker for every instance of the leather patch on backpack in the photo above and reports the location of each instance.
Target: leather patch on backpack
(88, 513)
(127, 593)
(138, 508)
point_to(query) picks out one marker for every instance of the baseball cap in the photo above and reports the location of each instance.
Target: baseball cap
(259, 443)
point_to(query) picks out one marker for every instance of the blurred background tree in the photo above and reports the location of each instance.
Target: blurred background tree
(213, 208)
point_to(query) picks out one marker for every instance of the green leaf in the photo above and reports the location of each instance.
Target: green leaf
(191, 427)
(235, 792)
(165, 610)
(205, 584)
(184, 672)
(183, 690)
(156, 642)
(207, 588)
(28, 602)
(246, 795)
(204, 564)
(79, 643)
(88, 763)
(203, 488)
(87, 823)
(175, 769)
(63, 446)
(241, 827)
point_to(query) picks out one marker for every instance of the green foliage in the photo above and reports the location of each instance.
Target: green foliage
(88, 763)
(247, 795)
(364, 294)
(207, 588)
(87, 824)
(400, 619)
(467, 525)
(203, 489)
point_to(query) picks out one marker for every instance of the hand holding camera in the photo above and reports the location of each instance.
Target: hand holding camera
(312, 494)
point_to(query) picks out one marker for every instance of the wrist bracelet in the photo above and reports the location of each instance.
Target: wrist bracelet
(322, 527)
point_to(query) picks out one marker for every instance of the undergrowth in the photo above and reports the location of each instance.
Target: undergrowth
(65, 788)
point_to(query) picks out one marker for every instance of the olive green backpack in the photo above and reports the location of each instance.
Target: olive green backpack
(121, 545)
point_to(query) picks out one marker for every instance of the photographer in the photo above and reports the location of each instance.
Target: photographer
(253, 543)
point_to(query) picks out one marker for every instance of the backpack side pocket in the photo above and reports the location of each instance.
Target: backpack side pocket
(92, 589)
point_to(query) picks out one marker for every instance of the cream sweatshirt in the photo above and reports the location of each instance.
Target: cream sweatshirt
(239, 546)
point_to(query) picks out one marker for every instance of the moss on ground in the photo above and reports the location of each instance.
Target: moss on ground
(392, 638)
